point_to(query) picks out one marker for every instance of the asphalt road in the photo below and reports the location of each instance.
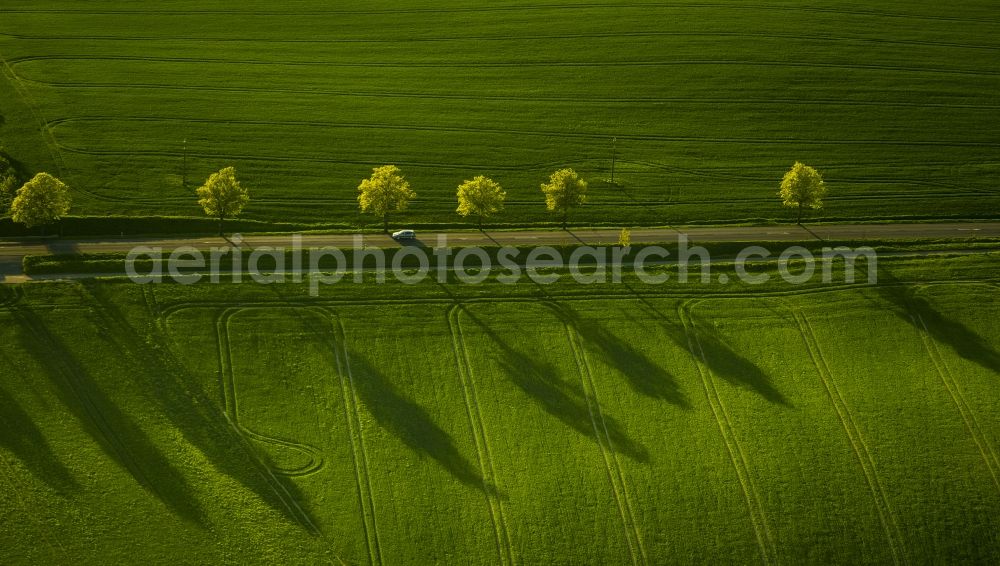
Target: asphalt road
(13, 251)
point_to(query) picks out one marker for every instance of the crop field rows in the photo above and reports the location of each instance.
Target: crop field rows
(383, 423)
(710, 104)
(624, 429)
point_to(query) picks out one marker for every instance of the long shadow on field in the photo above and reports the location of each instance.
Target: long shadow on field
(644, 375)
(723, 361)
(409, 422)
(918, 311)
(402, 417)
(558, 397)
(198, 417)
(22, 437)
(120, 437)
(731, 366)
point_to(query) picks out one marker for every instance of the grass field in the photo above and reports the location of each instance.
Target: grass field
(895, 102)
(505, 425)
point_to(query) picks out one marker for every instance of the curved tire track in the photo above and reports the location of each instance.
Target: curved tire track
(231, 399)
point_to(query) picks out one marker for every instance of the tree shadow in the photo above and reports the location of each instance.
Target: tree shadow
(557, 397)
(58, 247)
(726, 363)
(575, 237)
(963, 340)
(410, 422)
(919, 312)
(643, 375)
(414, 242)
(20, 168)
(22, 437)
(198, 417)
(117, 435)
(721, 360)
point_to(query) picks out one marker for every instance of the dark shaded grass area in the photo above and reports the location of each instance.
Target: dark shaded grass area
(560, 398)
(199, 419)
(23, 438)
(121, 438)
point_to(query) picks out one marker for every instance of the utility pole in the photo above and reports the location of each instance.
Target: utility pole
(614, 141)
(184, 176)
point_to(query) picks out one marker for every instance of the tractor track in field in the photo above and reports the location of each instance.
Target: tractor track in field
(491, 483)
(366, 493)
(890, 523)
(581, 99)
(507, 38)
(633, 534)
(468, 166)
(959, 399)
(512, 64)
(231, 400)
(263, 468)
(151, 303)
(530, 7)
(755, 507)
(172, 308)
(293, 159)
(7, 73)
(514, 132)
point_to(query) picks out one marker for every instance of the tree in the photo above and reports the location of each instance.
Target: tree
(564, 190)
(802, 187)
(480, 197)
(384, 192)
(625, 238)
(222, 196)
(8, 182)
(41, 201)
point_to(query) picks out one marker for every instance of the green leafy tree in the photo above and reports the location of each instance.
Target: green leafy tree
(384, 192)
(802, 187)
(625, 238)
(222, 196)
(564, 191)
(41, 201)
(8, 182)
(481, 197)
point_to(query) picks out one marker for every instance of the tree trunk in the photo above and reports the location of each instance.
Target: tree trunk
(480, 223)
(565, 217)
(385, 223)
(221, 231)
(798, 220)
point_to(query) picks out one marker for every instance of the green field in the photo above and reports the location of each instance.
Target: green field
(490, 424)
(711, 102)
